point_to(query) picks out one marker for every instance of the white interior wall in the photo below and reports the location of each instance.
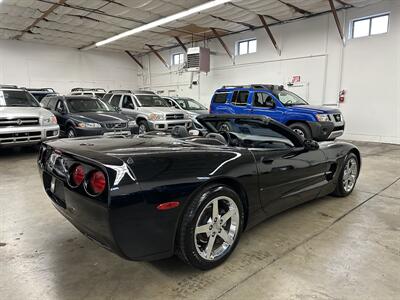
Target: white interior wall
(38, 65)
(367, 68)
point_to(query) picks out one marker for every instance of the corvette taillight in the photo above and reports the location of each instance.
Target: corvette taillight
(77, 175)
(97, 182)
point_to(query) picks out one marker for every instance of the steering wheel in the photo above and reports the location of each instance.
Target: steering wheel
(226, 136)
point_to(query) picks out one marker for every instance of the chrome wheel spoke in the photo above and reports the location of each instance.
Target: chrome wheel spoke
(215, 211)
(210, 246)
(227, 216)
(224, 235)
(202, 229)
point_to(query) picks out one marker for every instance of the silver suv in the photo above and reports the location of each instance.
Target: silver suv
(22, 120)
(150, 110)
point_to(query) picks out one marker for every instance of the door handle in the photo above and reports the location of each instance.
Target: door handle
(266, 160)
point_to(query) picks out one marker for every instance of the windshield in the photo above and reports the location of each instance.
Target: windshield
(100, 95)
(151, 101)
(190, 104)
(39, 96)
(17, 98)
(288, 98)
(88, 105)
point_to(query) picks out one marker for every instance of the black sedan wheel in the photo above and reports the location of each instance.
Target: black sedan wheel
(211, 227)
(71, 133)
(348, 176)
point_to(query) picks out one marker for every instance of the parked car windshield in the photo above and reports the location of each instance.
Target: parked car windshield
(190, 104)
(151, 101)
(39, 96)
(17, 98)
(288, 98)
(88, 105)
(100, 95)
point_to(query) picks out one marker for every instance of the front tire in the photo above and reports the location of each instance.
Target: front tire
(71, 133)
(143, 126)
(302, 130)
(348, 176)
(211, 227)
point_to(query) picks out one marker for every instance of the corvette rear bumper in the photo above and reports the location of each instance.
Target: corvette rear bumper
(135, 233)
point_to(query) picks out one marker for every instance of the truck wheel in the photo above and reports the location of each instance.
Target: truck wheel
(302, 130)
(143, 126)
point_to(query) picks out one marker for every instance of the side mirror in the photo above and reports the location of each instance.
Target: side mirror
(131, 106)
(311, 145)
(60, 110)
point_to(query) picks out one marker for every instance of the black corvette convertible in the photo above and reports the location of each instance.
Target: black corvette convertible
(151, 196)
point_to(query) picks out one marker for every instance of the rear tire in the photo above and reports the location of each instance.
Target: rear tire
(348, 176)
(302, 130)
(211, 227)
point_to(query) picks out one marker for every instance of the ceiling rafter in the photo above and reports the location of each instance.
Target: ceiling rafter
(44, 15)
(269, 32)
(337, 21)
(252, 11)
(296, 8)
(219, 38)
(99, 12)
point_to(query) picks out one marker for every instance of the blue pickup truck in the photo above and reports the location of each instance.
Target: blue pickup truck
(311, 122)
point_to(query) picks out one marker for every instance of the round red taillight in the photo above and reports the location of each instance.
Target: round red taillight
(97, 182)
(77, 175)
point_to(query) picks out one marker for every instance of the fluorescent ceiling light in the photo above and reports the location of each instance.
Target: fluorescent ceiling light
(160, 22)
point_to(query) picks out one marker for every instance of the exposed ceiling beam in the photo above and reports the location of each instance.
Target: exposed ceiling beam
(180, 43)
(338, 25)
(249, 26)
(102, 13)
(216, 34)
(271, 36)
(134, 58)
(158, 55)
(252, 11)
(296, 8)
(43, 16)
(344, 3)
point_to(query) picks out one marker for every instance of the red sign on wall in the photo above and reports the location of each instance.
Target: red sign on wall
(296, 79)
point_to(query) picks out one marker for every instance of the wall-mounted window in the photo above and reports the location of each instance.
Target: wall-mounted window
(178, 59)
(246, 47)
(370, 26)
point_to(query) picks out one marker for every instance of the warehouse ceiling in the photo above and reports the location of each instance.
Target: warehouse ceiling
(79, 23)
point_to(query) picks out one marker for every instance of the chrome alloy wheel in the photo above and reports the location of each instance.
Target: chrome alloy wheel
(350, 174)
(216, 228)
(299, 132)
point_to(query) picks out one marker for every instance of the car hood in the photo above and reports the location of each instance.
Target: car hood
(162, 110)
(99, 117)
(195, 113)
(314, 109)
(24, 112)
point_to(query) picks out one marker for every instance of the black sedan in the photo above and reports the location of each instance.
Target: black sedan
(154, 195)
(88, 116)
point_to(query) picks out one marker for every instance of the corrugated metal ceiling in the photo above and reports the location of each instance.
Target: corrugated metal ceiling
(78, 23)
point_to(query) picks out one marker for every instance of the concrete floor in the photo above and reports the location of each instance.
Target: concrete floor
(327, 249)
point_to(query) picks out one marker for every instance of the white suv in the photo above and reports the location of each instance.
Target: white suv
(22, 120)
(150, 111)
(93, 92)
